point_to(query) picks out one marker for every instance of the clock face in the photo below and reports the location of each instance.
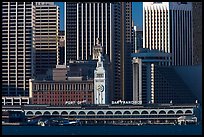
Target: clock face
(100, 88)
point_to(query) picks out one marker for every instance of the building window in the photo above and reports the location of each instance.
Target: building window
(52, 87)
(40, 88)
(74, 86)
(35, 87)
(49, 87)
(99, 75)
(45, 87)
(84, 86)
(60, 87)
(70, 86)
(77, 86)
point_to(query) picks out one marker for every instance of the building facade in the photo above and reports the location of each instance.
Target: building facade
(125, 62)
(138, 39)
(18, 29)
(168, 28)
(170, 87)
(197, 33)
(61, 48)
(82, 68)
(60, 73)
(46, 38)
(61, 92)
(84, 23)
(144, 62)
(15, 101)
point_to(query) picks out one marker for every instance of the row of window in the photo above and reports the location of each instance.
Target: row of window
(64, 94)
(53, 102)
(46, 101)
(69, 98)
(63, 86)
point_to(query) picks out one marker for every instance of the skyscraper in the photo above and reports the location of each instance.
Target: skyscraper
(61, 48)
(84, 22)
(197, 32)
(46, 37)
(126, 59)
(144, 62)
(167, 26)
(17, 47)
(154, 83)
(138, 39)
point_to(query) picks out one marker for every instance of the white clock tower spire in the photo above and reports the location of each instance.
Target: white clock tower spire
(100, 95)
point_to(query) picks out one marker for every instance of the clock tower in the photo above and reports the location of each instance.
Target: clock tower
(100, 89)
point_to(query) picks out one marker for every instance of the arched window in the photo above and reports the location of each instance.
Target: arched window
(55, 113)
(188, 112)
(100, 113)
(30, 113)
(109, 113)
(127, 113)
(91, 113)
(72, 113)
(64, 113)
(153, 112)
(118, 112)
(46, 113)
(81, 113)
(162, 112)
(136, 112)
(179, 112)
(144, 112)
(171, 112)
(38, 113)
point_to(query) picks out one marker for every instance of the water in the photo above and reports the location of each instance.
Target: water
(104, 130)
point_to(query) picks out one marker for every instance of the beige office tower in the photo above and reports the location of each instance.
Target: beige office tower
(46, 37)
(17, 47)
(167, 27)
(197, 33)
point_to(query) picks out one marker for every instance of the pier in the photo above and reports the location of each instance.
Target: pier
(116, 115)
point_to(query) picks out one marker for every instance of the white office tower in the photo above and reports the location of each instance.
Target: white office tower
(100, 92)
(167, 26)
(18, 29)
